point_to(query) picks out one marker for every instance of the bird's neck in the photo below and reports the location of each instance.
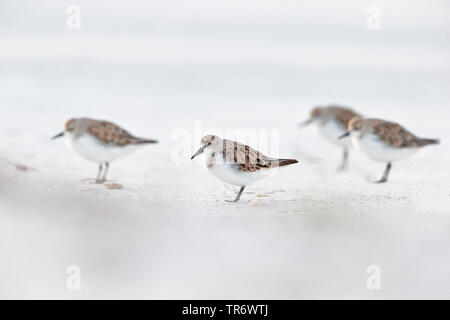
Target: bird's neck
(210, 155)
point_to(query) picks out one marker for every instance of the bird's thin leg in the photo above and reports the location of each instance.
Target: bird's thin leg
(344, 163)
(239, 194)
(105, 172)
(386, 174)
(99, 173)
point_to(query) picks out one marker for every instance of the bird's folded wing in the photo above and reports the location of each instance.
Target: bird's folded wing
(246, 158)
(343, 116)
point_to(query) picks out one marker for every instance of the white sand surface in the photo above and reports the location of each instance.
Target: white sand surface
(160, 70)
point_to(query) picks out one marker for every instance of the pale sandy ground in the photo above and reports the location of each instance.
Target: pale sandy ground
(306, 232)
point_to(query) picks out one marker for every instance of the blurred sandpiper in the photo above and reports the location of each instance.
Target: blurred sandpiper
(331, 122)
(384, 141)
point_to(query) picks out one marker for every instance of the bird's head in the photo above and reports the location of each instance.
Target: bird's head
(207, 142)
(354, 125)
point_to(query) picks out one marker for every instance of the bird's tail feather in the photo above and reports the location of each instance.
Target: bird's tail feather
(425, 142)
(144, 141)
(283, 162)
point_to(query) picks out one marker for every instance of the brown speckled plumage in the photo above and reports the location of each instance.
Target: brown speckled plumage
(105, 131)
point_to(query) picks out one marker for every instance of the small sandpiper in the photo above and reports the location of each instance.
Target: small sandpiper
(331, 122)
(384, 141)
(236, 163)
(100, 141)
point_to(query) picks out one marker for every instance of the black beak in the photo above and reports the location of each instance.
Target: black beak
(200, 151)
(305, 123)
(344, 135)
(59, 135)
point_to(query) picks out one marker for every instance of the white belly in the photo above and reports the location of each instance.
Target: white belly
(229, 173)
(94, 150)
(331, 131)
(377, 150)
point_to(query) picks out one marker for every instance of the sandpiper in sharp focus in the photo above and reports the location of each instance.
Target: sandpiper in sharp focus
(331, 122)
(100, 141)
(384, 141)
(236, 163)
